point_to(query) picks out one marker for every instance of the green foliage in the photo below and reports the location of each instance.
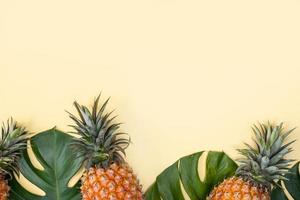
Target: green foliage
(101, 143)
(266, 163)
(278, 194)
(13, 139)
(168, 184)
(218, 167)
(293, 183)
(52, 150)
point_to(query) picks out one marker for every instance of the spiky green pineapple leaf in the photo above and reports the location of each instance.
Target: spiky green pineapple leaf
(13, 139)
(185, 171)
(266, 163)
(52, 150)
(101, 143)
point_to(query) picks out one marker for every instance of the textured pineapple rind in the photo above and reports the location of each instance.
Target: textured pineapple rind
(102, 147)
(13, 139)
(238, 188)
(260, 168)
(4, 189)
(115, 182)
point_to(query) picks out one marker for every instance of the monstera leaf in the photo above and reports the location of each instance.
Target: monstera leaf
(278, 194)
(185, 171)
(51, 149)
(293, 183)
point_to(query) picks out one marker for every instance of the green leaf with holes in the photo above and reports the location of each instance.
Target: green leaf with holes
(278, 194)
(185, 171)
(293, 183)
(51, 149)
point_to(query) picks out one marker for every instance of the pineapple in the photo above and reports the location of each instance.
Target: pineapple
(13, 140)
(261, 168)
(102, 148)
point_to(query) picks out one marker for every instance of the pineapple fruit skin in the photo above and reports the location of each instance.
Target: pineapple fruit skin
(13, 139)
(237, 188)
(114, 183)
(261, 167)
(102, 147)
(4, 189)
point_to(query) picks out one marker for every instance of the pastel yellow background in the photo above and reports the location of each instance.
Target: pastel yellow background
(184, 75)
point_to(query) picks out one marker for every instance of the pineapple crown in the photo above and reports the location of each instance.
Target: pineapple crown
(100, 142)
(265, 164)
(13, 139)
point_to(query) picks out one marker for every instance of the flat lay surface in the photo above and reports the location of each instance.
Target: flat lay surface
(183, 76)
